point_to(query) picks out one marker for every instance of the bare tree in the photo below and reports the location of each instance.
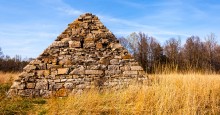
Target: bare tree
(155, 54)
(210, 44)
(143, 51)
(192, 53)
(172, 50)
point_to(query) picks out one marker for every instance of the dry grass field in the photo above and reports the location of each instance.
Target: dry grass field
(164, 94)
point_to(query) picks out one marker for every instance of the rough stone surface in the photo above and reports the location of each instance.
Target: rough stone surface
(130, 72)
(85, 55)
(63, 70)
(137, 68)
(94, 72)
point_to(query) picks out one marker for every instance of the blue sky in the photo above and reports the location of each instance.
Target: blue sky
(27, 27)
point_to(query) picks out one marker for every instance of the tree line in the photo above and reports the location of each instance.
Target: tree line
(194, 55)
(12, 64)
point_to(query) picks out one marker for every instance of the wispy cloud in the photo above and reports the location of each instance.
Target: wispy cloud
(126, 27)
(70, 11)
(20, 39)
(131, 4)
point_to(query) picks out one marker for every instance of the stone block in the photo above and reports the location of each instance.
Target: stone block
(58, 85)
(93, 67)
(105, 41)
(69, 85)
(136, 68)
(113, 67)
(98, 45)
(57, 80)
(75, 39)
(28, 68)
(63, 71)
(125, 68)
(30, 85)
(89, 39)
(42, 84)
(34, 62)
(63, 80)
(130, 72)
(93, 72)
(43, 72)
(78, 71)
(75, 76)
(118, 57)
(88, 17)
(114, 61)
(46, 72)
(60, 44)
(74, 44)
(112, 72)
(54, 72)
(89, 44)
(65, 62)
(41, 66)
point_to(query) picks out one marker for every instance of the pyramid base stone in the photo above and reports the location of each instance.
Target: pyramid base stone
(65, 87)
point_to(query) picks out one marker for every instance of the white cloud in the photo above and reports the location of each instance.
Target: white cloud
(70, 11)
(126, 27)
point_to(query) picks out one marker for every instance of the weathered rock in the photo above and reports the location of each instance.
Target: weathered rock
(74, 44)
(104, 61)
(136, 68)
(98, 45)
(130, 72)
(113, 67)
(93, 72)
(42, 84)
(35, 62)
(114, 61)
(63, 71)
(30, 85)
(28, 68)
(113, 72)
(43, 72)
(78, 71)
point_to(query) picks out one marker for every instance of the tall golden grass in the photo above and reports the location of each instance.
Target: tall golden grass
(7, 77)
(165, 94)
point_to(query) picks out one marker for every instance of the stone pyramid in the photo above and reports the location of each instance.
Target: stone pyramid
(86, 55)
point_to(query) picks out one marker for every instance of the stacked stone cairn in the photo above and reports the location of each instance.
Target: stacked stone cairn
(85, 56)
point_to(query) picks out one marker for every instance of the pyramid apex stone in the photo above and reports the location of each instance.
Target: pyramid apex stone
(85, 55)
